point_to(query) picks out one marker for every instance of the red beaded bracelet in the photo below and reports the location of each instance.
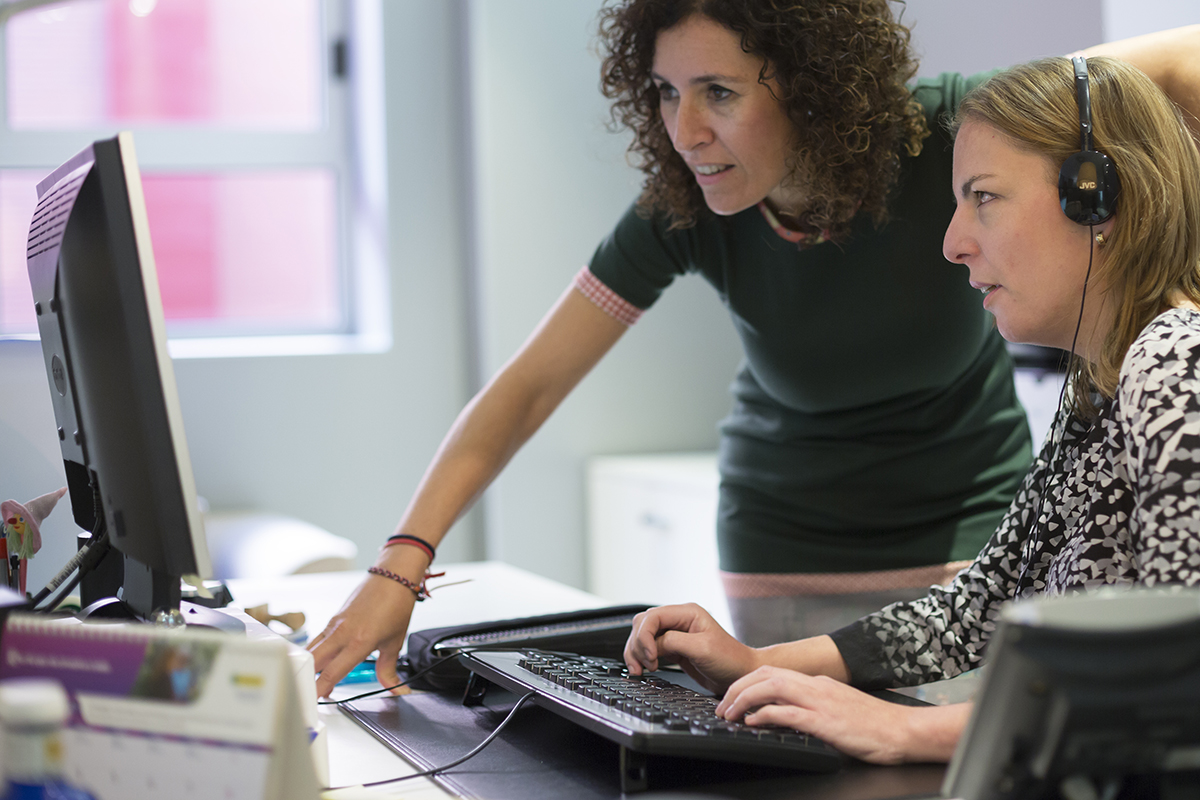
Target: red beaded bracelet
(420, 590)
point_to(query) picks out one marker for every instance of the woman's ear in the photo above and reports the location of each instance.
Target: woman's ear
(1102, 231)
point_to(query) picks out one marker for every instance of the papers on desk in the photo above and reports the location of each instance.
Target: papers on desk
(170, 713)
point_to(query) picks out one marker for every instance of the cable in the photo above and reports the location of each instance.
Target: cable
(430, 772)
(57, 580)
(63, 595)
(1062, 428)
(85, 559)
(404, 682)
(96, 550)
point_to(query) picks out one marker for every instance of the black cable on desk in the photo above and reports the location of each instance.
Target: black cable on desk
(430, 772)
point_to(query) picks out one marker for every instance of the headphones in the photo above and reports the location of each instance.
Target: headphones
(1087, 182)
(1087, 191)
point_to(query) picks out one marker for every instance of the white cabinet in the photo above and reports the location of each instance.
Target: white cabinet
(652, 530)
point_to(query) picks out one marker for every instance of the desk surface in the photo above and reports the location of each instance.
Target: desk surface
(493, 590)
(496, 591)
(542, 756)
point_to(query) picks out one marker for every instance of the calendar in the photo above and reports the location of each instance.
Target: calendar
(177, 713)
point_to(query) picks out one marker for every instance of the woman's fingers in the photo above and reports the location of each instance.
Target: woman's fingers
(852, 721)
(648, 641)
(639, 647)
(385, 666)
(687, 635)
(763, 686)
(337, 666)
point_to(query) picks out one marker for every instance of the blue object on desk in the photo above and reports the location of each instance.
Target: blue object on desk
(363, 673)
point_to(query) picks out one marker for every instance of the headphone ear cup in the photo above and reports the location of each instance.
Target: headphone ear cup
(1088, 187)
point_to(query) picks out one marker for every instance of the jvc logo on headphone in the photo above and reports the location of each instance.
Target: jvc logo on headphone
(1087, 182)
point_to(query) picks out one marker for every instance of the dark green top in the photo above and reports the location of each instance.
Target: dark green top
(874, 424)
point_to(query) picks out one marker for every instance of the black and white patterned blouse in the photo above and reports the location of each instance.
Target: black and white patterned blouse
(1123, 507)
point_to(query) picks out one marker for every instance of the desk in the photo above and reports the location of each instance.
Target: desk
(497, 591)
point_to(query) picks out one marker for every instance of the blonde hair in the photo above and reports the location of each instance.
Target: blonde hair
(1152, 251)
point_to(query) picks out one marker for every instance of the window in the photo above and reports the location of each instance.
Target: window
(253, 149)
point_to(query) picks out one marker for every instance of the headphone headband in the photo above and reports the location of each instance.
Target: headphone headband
(1083, 97)
(1087, 182)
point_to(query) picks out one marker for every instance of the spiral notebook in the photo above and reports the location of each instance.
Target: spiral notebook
(169, 713)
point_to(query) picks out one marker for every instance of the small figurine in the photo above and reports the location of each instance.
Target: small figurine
(22, 537)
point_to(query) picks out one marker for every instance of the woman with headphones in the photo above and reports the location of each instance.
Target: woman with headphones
(1079, 222)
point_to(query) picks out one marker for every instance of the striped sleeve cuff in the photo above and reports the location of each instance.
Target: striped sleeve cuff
(605, 298)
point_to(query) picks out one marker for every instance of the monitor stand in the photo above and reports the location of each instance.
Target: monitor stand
(121, 588)
(190, 614)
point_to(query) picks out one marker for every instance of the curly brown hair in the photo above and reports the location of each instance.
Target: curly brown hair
(839, 69)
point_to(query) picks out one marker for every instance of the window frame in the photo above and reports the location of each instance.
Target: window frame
(350, 141)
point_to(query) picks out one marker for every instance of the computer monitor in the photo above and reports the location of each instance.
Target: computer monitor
(100, 317)
(1092, 695)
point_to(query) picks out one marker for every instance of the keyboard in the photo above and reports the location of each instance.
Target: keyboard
(654, 714)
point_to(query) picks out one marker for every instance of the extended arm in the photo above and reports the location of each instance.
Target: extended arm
(569, 341)
(1171, 58)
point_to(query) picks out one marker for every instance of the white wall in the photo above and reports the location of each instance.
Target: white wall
(971, 36)
(1124, 18)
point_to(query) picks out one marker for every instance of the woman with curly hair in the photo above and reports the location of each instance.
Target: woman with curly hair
(1112, 498)
(875, 438)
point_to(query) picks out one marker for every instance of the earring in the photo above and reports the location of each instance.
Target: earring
(1100, 240)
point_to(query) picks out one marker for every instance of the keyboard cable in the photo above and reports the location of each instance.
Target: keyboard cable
(475, 751)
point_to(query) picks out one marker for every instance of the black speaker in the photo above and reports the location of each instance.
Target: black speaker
(1087, 182)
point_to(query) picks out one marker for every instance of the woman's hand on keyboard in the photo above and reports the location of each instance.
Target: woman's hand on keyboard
(852, 721)
(688, 636)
